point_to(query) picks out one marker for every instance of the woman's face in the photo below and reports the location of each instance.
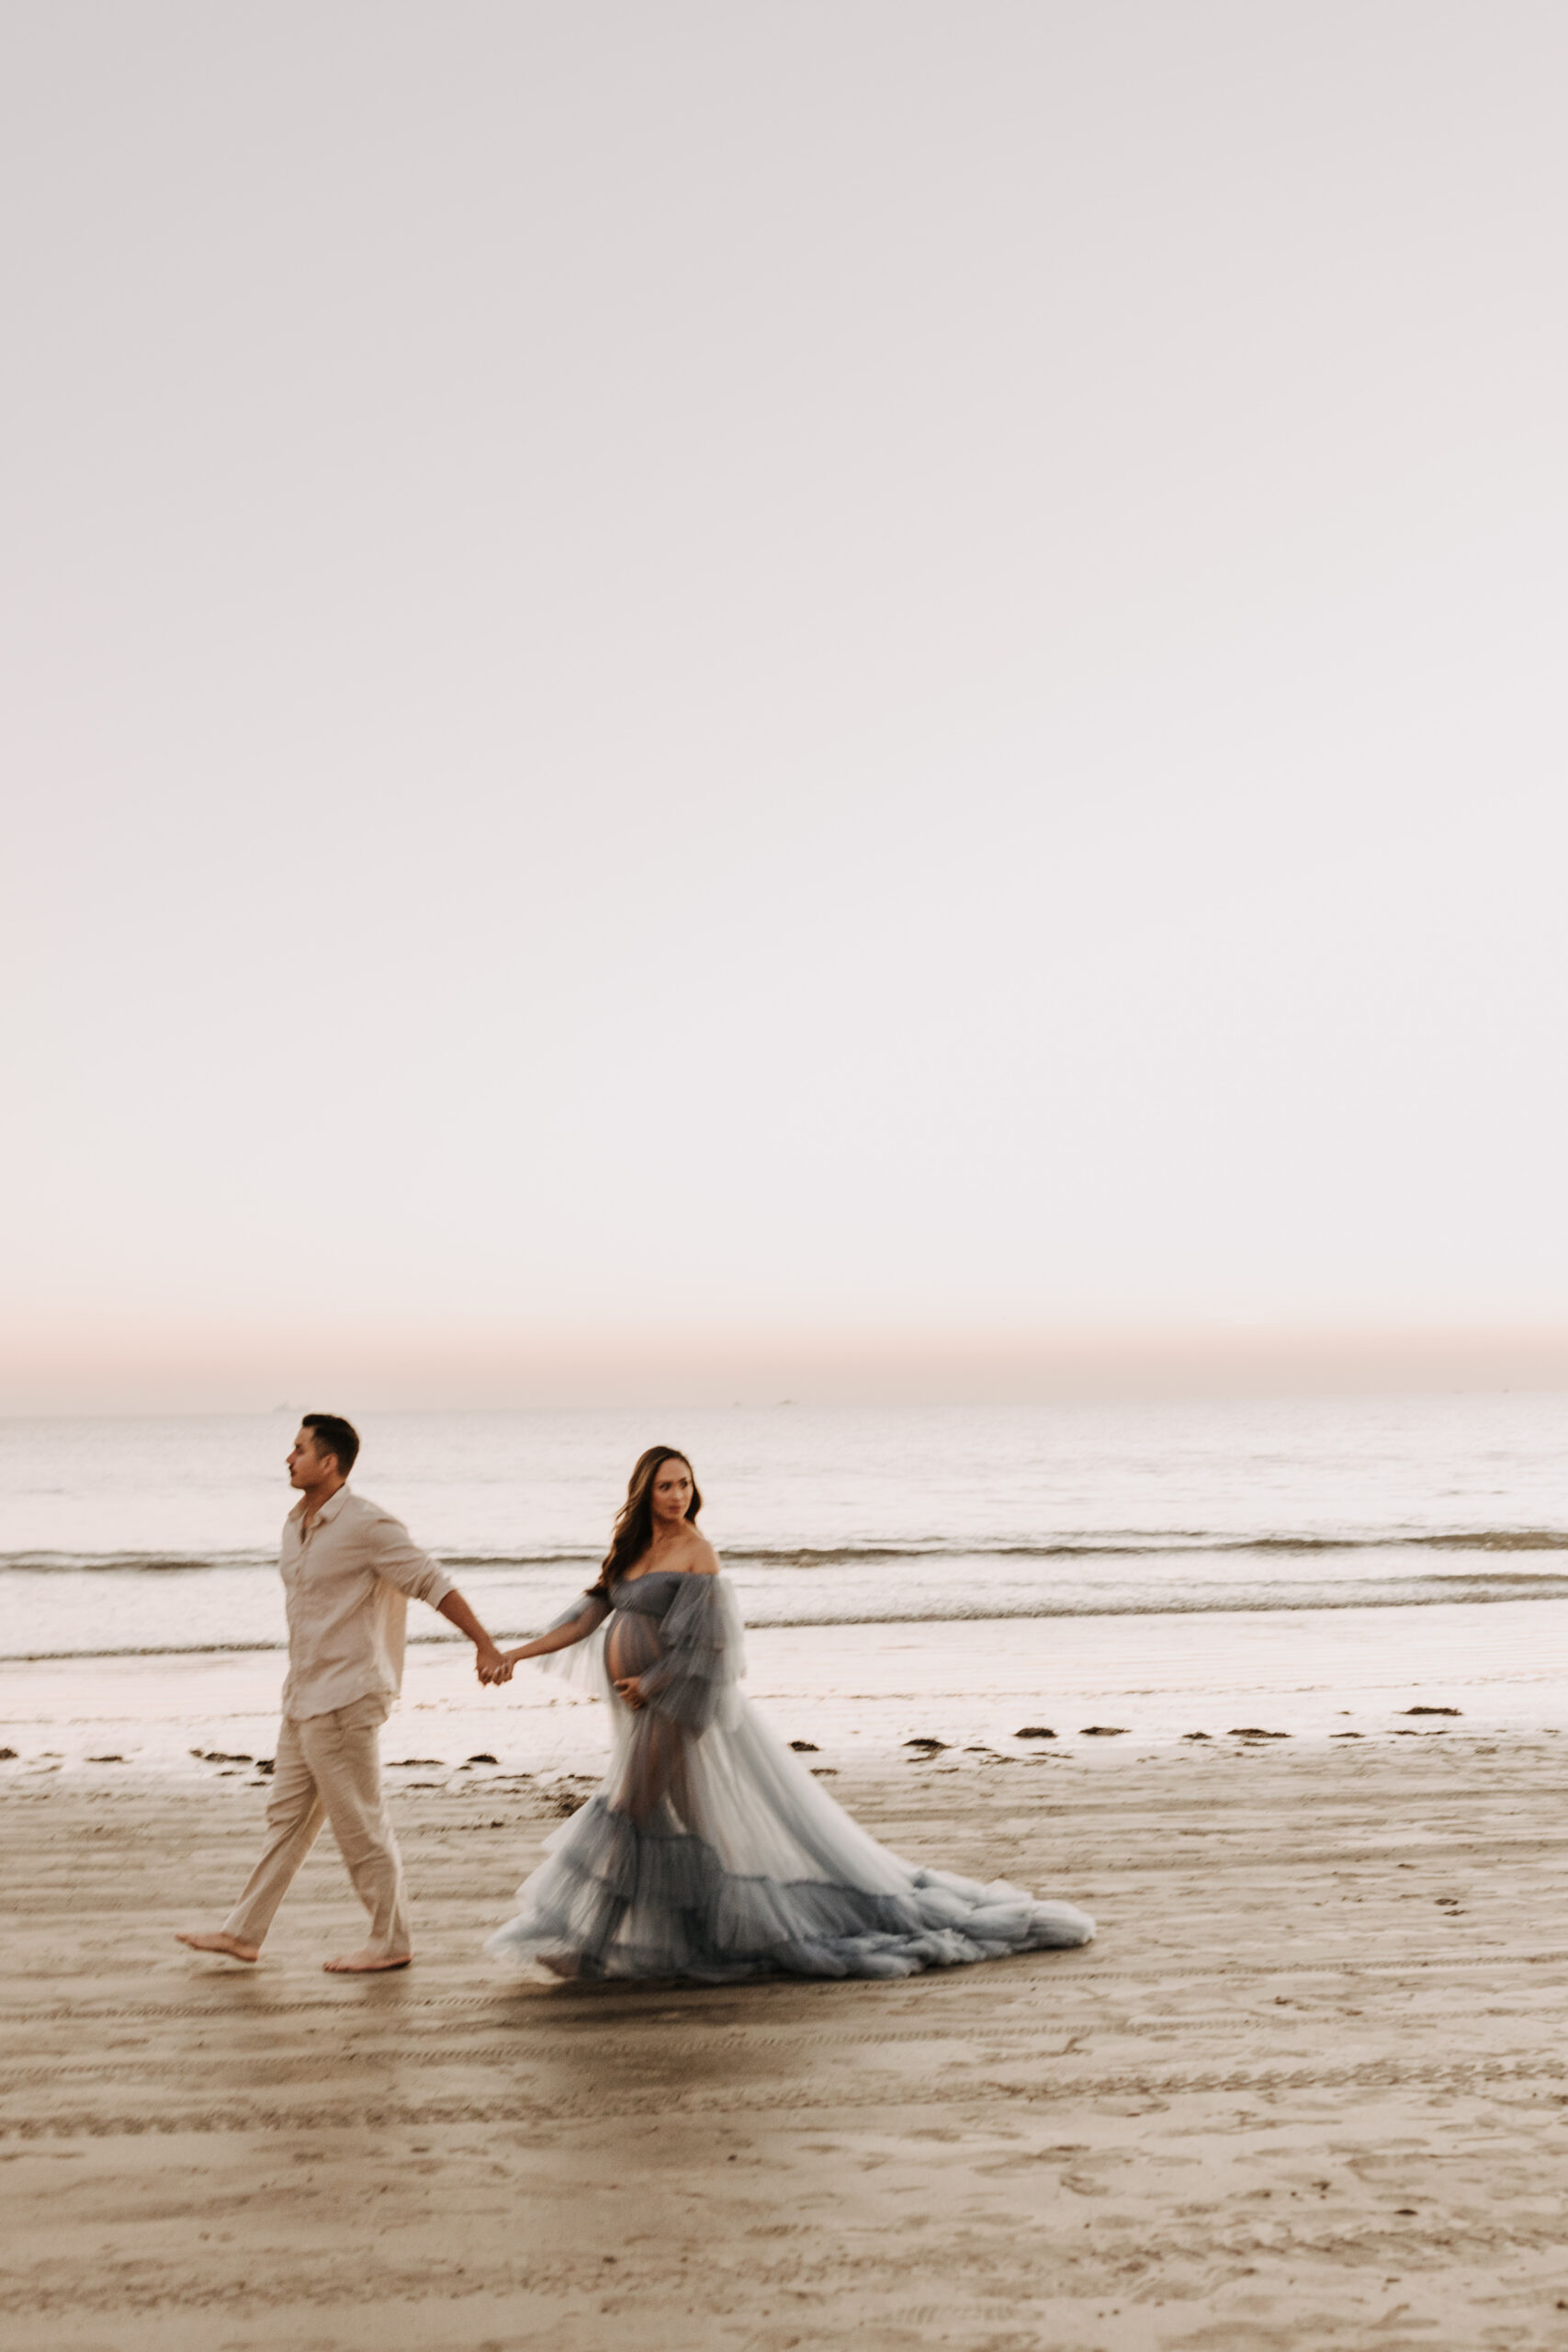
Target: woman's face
(672, 1491)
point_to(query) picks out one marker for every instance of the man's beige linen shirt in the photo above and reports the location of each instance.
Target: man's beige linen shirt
(348, 1584)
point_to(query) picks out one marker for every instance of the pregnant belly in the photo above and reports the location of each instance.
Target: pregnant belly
(631, 1643)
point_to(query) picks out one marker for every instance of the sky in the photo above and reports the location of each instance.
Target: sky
(692, 694)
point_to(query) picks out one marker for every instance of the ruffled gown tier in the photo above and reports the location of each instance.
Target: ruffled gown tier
(709, 1851)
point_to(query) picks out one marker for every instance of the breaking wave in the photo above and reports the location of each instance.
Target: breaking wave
(1120, 1544)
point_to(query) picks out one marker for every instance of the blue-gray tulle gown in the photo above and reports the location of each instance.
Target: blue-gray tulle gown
(709, 1851)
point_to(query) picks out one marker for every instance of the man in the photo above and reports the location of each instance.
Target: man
(349, 1569)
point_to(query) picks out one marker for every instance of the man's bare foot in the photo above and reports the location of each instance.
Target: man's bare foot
(364, 1963)
(230, 1946)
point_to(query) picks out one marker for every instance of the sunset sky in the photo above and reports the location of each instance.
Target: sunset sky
(704, 693)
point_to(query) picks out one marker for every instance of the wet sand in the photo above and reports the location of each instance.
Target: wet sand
(1310, 2087)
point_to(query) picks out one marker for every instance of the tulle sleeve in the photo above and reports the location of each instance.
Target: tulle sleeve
(692, 1682)
(583, 1664)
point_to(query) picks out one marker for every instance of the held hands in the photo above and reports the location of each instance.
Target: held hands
(489, 1664)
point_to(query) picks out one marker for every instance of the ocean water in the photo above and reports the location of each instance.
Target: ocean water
(1158, 1553)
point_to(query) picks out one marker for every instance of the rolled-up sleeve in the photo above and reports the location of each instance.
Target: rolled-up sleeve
(399, 1561)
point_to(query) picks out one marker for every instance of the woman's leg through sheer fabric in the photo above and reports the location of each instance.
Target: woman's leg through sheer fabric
(655, 1766)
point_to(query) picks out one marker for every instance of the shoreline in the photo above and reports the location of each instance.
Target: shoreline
(858, 1692)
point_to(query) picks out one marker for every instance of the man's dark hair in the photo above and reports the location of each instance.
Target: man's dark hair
(329, 1433)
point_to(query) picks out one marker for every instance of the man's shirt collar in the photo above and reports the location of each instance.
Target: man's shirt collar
(327, 1511)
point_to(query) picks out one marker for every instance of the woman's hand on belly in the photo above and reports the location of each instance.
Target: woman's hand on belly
(629, 1688)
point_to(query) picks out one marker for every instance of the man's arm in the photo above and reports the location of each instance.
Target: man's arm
(398, 1558)
(489, 1663)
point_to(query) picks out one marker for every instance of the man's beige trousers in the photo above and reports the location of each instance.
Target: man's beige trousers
(328, 1768)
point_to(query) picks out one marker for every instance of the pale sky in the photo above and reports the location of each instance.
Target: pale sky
(707, 683)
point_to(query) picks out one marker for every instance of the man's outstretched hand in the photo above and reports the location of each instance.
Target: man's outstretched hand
(490, 1665)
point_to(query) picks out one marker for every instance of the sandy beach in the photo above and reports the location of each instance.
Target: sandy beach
(1308, 2088)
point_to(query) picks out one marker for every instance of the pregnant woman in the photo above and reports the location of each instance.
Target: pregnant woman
(708, 1851)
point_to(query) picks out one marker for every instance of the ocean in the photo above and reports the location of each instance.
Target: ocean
(1177, 1561)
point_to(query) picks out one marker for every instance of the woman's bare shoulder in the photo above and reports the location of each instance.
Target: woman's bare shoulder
(702, 1560)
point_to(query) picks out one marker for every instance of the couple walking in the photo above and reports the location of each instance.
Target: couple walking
(708, 1850)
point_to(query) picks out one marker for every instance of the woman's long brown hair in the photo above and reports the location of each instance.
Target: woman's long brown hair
(633, 1529)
